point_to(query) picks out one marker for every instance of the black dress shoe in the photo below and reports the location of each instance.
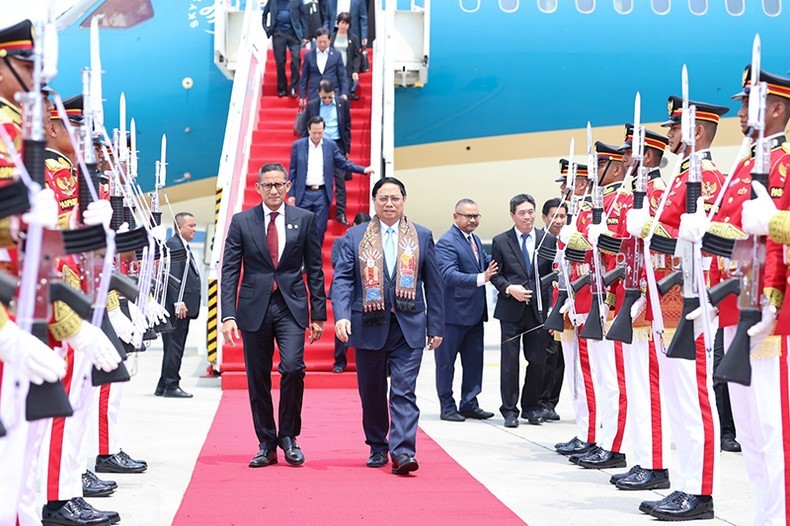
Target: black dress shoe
(574, 447)
(551, 414)
(341, 218)
(293, 454)
(176, 393)
(455, 416)
(730, 444)
(91, 475)
(159, 392)
(648, 505)
(338, 369)
(71, 514)
(117, 464)
(511, 421)
(603, 459)
(112, 516)
(477, 414)
(685, 508)
(645, 479)
(281, 93)
(354, 96)
(377, 460)
(534, 416)
(619, 476)
(126, 458)
(576, 457)
(292, 93)
(265, 457)
(403, 464)
(92, 487)
(569, 443)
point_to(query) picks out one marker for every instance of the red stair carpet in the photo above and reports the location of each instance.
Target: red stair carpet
(272, 140)
(333, 486)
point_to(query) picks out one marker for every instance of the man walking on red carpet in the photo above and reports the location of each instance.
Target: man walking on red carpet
(387, 294)
(278, 245)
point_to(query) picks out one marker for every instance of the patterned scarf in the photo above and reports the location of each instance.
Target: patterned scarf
(371, 268)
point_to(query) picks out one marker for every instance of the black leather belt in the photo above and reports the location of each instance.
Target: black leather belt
(315, 187)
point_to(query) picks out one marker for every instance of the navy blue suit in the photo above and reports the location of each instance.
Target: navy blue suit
(398, 342)
(318, 201)
(465, 313)
(311, 75)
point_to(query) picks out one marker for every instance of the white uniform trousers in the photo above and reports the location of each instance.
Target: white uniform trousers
(687, 390)
(106, 409)
(579, 380)
(13, 393)
(647, 416)
(759, 411)
(606, 362)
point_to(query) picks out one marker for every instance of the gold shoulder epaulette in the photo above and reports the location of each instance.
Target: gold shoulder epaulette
(779, 227)
(708, 165)
(786, 147)
(726, 230)
(585, 205)
(578, 242)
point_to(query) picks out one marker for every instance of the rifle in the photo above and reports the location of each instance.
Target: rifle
(683, 344)
(749, 253)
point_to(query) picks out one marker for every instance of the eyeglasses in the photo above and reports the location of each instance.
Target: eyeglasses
(267, 187)
(382, 199)
(470, 217)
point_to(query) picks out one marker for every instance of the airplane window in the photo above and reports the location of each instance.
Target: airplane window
(623, 7)
(508, 6)
(772, 7)
(698, 7)
(585, 6)
(661, 7)
(547, 6)
(735, 7)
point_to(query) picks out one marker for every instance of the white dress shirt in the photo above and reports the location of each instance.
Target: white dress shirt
(315, 163)
(343, 6)
(279, 224)
(320, 58)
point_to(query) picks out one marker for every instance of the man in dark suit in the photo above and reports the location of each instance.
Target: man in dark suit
(521, 307)
(387, 296)
(359, 17)
(316, 166)
(337, 126)
(282, 21)
(321, 63)
(465, 269)
(277, 244)
(183, 304)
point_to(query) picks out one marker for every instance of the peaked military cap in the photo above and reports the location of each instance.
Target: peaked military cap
(652, 139)
(17, 41)
(607, 152)
(73, 107)
(779, 86)
(581, 171)
(704, 111)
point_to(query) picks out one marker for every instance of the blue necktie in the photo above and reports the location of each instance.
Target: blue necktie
(389, 251)
(525, 251)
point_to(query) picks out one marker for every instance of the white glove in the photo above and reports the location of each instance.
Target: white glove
(762, 329)
(139, 322)
(693, 226)
(566, 232)
(696, 317)
(36, 361)
(757, 212)
(565, 307)
(595, 231)
(159, 233)
(43, 210)
(98, 212)
(638, 307)
(123, 228)
(155, 312)
(91, 340)
(635, 221)
(122, 325)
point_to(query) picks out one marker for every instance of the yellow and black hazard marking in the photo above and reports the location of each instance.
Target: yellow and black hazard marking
(211, 322)
(217, 203)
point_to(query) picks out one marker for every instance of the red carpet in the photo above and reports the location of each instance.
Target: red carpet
(333, 486)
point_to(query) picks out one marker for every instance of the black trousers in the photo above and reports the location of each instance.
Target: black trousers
(278, 325)
(721, 390)
(173, 344)
(340, 353)
(281, 41)
(533, 344)
(340, 182)
(555, 370)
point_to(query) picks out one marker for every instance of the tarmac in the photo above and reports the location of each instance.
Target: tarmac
(519, 466)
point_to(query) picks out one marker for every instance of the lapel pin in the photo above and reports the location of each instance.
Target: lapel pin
(290, 227)
(296, 226)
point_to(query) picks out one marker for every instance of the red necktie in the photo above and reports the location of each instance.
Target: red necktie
(474, 248)
(272, 242)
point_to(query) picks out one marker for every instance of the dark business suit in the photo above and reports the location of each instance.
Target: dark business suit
(516, 317)
(398, 342)
(359, 18)
(465, 312)
(318, 200)
(264, 316)
(340, 347)
(291, 39)
(175, 341)
(311, 75)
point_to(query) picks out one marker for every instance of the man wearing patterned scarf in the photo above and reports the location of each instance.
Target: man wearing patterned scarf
(388, 301)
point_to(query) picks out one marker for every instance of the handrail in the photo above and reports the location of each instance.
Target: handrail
(241, 121)
(383, 97)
